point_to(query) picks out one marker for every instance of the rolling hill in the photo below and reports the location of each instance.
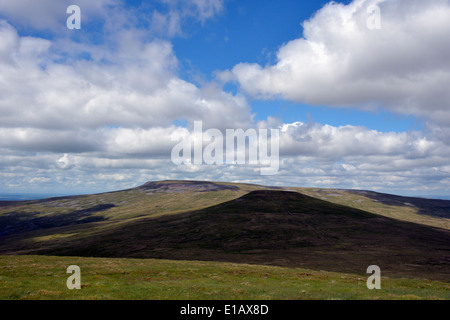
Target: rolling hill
(333, 230)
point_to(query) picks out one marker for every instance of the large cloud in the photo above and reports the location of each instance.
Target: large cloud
(403, 67)
(336, 143)
(311, 154)
(137, 87)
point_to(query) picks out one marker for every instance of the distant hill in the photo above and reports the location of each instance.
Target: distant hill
(191, 220)
(26, 196)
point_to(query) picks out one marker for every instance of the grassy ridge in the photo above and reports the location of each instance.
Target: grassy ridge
(44, 277)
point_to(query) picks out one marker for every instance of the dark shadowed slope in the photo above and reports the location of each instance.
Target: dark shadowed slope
(268, 227)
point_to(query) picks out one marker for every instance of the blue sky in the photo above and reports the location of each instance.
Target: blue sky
(244, 32)
(94, 109)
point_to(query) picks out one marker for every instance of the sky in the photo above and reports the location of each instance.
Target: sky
(361, 97)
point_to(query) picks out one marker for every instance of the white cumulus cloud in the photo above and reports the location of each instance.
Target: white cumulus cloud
(403, 67)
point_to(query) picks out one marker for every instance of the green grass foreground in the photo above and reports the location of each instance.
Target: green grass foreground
(44, 277)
